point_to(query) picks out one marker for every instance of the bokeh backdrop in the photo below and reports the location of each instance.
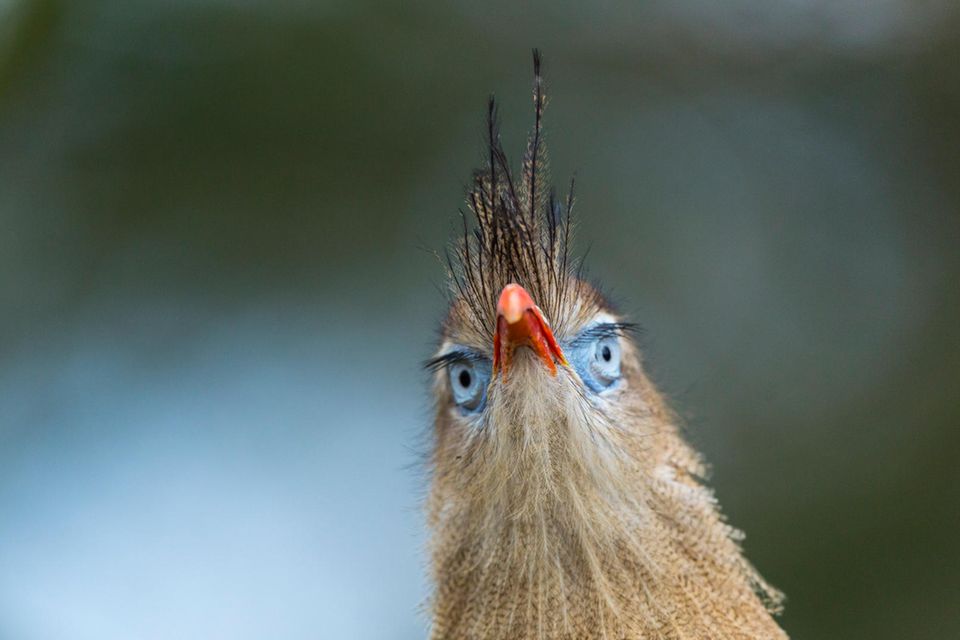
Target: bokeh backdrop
(217, 285)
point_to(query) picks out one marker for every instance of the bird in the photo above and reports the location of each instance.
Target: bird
(564, 502)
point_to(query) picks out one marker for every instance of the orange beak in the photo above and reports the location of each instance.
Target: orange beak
(519, 323)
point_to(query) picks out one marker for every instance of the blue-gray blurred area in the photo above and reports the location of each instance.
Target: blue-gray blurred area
(217, 285)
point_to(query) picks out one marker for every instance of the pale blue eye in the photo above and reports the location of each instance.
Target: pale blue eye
(606, 360)
(597, 359)
(468, 382)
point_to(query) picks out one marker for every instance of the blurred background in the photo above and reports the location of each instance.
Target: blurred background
(216, 289)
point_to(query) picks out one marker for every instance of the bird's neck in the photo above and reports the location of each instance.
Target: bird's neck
(554, 531)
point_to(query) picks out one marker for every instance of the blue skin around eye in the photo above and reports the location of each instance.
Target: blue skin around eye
(582, 354)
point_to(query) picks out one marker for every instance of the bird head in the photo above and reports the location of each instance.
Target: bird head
(564, 502)
(536, 373)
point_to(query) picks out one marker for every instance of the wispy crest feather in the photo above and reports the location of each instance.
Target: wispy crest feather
(522, 232)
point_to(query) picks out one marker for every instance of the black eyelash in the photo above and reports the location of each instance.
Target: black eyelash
(605, 330)
(457, 355)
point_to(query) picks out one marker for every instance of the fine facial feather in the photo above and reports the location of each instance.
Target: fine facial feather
(558, 512)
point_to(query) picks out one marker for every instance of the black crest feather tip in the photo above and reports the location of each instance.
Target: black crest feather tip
(521, 231)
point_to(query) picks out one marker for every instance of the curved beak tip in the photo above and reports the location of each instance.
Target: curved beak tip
(514, 300)
(521, 323)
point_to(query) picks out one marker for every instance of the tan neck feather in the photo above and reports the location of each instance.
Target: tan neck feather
(546, 529)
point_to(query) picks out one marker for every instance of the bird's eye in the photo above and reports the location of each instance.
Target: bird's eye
(468, 381)
(606, 360)
(597, 360)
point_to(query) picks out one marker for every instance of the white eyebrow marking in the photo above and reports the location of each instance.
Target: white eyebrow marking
(604, 317)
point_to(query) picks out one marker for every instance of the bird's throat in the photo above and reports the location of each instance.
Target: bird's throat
(550, 526)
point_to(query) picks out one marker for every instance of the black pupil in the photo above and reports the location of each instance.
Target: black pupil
(464, 378)
(605, 353)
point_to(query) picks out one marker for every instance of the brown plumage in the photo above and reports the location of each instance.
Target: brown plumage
(564, 505)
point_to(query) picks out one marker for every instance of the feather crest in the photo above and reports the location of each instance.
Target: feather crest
(522, 232)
